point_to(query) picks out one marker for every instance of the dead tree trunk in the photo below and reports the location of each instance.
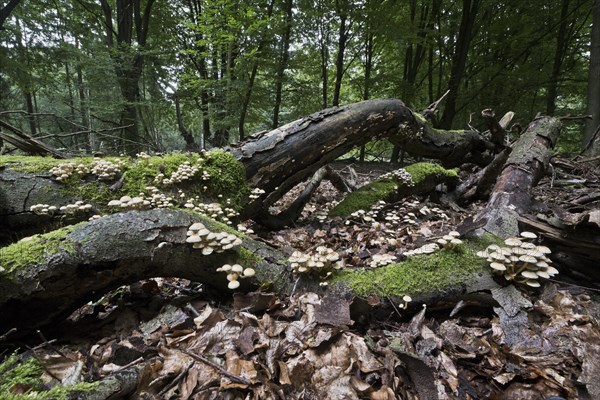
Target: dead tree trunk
(47, 280)
(284, 157)
(527, 163)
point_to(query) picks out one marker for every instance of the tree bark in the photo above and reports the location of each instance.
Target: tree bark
(116, 250)
(280, 159)
(591, 140)
(511, 195)
(283, 63)
(465, 34)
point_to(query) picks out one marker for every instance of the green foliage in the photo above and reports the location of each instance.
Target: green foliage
(217, 54)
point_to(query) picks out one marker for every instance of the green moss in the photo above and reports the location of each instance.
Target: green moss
(36, 164)
(441, 270)
(365, 197)
(248, 258)
(420, 171)
(227, 179)
(31, 252)
(385, 189)
(26, 375)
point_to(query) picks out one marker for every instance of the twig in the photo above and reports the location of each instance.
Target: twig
(8, 333)
(223, 371)
(570, 117)
(175, 381)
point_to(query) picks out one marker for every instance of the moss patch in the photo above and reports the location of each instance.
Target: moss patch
(32, 251)
(441, 270)
(227, 177)
(25, 376)
(386, 189)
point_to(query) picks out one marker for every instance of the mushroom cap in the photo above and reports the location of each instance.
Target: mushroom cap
(454, 234)
(543, 274)
(456, 241)
(407, 298)
(544, 249)
(196, 226)
(528, 246)
(233, 285)
(528, 259)
(513, 241)
(114, 203)
(493, 247)
(528, 235)
(203, 232)
(551, 271)
(482, 254)
(226, 267)
(232, 277)
(193, 239)
(237, 268)
(497, 256)
(498, 266)
(206, 251)
(532, 283)
(248, 272)
(125, 199)
(529, 274)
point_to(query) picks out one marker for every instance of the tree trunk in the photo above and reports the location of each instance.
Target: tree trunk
(459, 60)
(591, 137)
(342, 11)
(283, 63)
(511, 195)
(559, 54)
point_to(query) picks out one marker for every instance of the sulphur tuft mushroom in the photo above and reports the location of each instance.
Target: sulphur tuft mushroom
(522, 261)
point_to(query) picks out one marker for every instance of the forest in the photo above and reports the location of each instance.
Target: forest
(299, 199)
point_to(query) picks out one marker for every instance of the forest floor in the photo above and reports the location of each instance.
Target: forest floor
(187, 342)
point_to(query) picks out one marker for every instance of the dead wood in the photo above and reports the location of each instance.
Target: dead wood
(511, 195)
(116, 250)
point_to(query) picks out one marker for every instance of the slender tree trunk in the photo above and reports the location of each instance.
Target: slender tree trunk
(31, 110)
(283, 64)
(324, 64)
(342, 11)
(368, 70)
(591, 137)
(89, 138)
(459, 60)
(559, 54)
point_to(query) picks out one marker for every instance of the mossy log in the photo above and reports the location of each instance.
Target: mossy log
(47, 277)
(420, 178)
(274, 162)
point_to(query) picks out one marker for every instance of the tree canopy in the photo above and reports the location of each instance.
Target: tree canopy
(136, 75)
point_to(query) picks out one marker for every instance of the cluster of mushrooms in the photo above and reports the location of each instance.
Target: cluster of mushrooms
(45, 209)
(400, 175)
(213, 210)
(521, 260)
(105, 170)
(256, 193)
(63, 171)
(130, 203)
(202, 238)
(382, 259)
(184, 172)
(235, 272)
(449, 241)
(322, 262)
(143, 155)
